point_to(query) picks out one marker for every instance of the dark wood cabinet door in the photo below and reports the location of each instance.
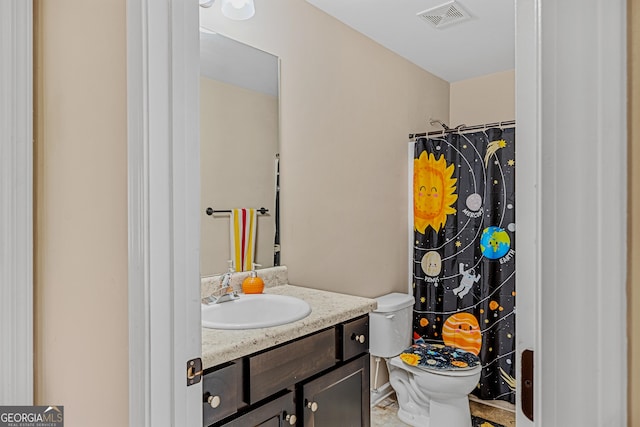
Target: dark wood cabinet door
(279, 412)
(338, 398)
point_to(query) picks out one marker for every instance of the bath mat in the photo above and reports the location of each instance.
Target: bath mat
(481, 422)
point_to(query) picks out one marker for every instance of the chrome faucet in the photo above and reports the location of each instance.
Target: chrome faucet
(227, 294)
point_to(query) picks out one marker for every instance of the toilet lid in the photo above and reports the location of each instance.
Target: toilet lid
(439, 357)
(397, 362)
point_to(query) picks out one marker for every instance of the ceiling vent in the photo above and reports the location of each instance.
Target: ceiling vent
(445, 15)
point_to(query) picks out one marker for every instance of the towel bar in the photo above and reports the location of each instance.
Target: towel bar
(211, 211)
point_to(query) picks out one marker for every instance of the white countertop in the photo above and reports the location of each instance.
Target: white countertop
(327, 309)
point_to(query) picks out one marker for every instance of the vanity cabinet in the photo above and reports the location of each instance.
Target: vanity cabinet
(319, 380)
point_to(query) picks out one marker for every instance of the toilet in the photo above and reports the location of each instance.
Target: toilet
(427, 397)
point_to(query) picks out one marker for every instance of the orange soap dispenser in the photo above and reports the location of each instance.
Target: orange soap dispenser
(253, 284)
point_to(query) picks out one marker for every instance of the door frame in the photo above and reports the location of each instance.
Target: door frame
(164, 183)
(16, 202)
(528, 122)
(572, 215)
(163, 58)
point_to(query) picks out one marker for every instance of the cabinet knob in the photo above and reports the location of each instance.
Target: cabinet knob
(291, 419)
(214, 401)
(359, 338)
(313, 406)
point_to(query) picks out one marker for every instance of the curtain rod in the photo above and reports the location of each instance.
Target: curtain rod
(211, 211)
(462, 128)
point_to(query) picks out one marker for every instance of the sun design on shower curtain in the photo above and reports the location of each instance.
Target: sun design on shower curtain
(434, 192)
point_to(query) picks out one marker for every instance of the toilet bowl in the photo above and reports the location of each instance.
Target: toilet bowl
(432, 398)
(426, 397)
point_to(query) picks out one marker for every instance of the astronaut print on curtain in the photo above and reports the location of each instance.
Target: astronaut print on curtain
(464, 250)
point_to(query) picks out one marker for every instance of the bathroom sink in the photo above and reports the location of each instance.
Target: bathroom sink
(254, 311)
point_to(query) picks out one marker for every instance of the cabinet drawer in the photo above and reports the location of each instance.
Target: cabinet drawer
(353, 338)
(220, 389)
(283, 366)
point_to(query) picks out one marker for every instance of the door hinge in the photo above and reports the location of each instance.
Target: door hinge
(527, 384)
(194, 371)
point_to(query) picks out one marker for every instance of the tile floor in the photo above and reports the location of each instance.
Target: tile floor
(384, 414)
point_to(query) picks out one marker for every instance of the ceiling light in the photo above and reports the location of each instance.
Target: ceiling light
(206, 3)
(238, 9)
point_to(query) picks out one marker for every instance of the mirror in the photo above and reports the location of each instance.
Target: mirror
(239, 134)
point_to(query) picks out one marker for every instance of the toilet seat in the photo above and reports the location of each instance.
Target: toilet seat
(427, 356)
(458, 372)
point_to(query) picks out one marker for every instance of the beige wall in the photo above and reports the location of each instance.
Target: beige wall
(347, 106)
(633, 308)
(81, 341)
(238, 143)
(486, 99)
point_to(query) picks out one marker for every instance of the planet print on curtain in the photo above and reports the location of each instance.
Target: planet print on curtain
(464, 250)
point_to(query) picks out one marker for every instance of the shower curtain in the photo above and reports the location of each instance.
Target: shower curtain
(464, 250)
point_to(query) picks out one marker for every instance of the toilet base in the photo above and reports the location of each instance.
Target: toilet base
(451, 414)
(413, 419)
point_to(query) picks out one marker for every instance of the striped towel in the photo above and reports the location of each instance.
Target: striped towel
(242, 232)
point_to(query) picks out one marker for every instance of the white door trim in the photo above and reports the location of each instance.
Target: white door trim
(572, 183)
(164, 202)
(16, 202)
(528, 215)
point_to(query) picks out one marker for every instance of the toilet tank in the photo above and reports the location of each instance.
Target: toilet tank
(390, 325)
